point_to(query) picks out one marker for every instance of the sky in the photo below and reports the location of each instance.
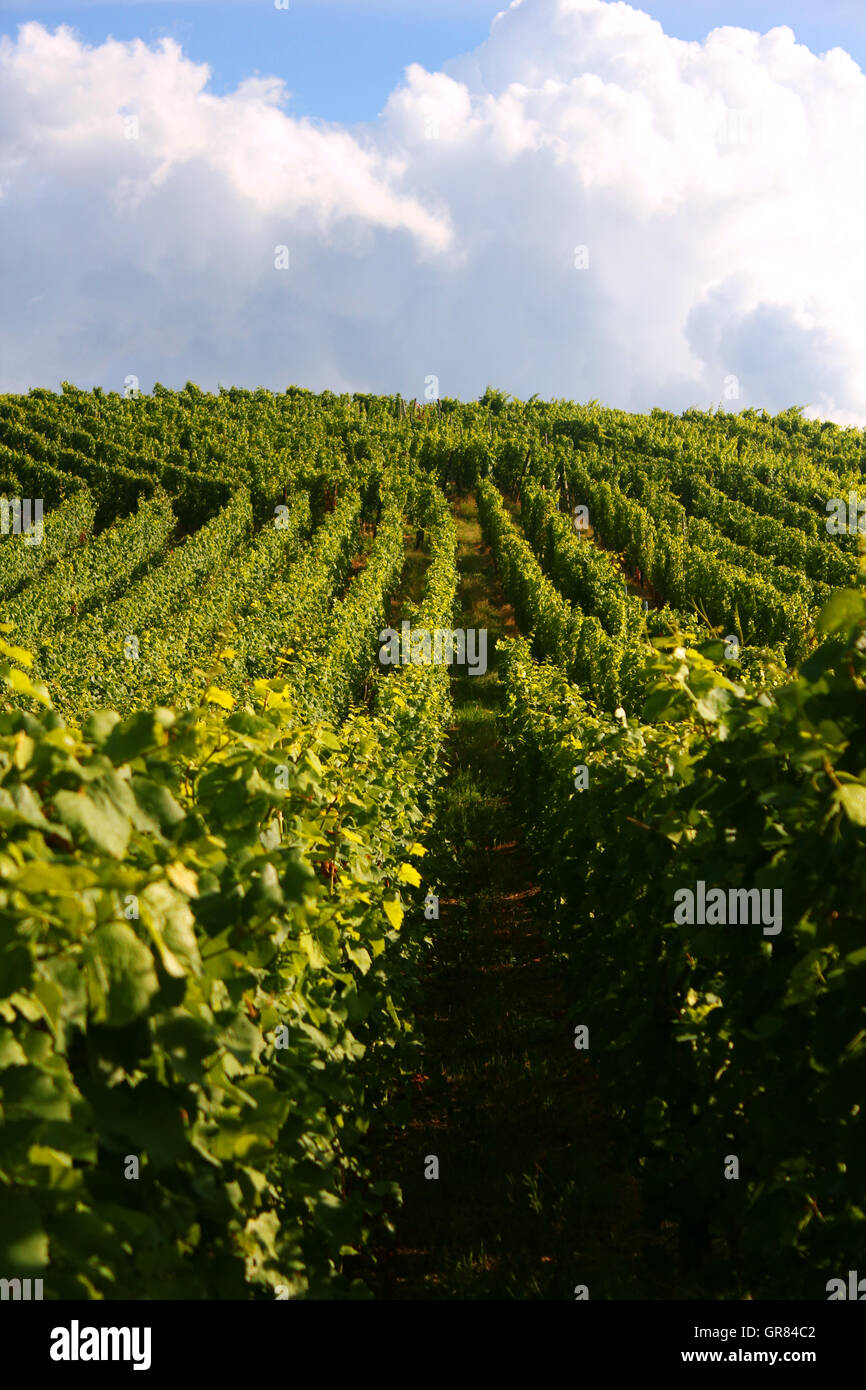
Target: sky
(340, 59)
(652, 206)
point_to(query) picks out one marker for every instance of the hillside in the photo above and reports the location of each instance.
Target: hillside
(432, 848)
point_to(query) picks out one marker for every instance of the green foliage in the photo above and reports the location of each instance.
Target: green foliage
(91, 574)
(96, 665)
(607, 666)
(261, 856)
(718, 1040)
(65, 526)
(219, 838)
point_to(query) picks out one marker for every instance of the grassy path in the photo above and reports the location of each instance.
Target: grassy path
(530, 1200)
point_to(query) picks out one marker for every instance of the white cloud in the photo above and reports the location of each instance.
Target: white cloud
(714, 184)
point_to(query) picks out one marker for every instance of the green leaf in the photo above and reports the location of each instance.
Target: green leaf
(158, 803)
(44, 876)
(121, 973)
(16, 653)
(23, 1241)
(167, 916)
(361, 957)
(99, 724)
(144, 731)
(394, 913)
(215, 696)
(713, 704)
(23, 685)
(662, 706)
(852, 798)
(20, 807)
(842, 611)
(144, 1119)
(12, 1053)
(94, 816)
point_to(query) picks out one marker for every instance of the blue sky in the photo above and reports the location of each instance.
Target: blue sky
(340, 59)
(374, 195)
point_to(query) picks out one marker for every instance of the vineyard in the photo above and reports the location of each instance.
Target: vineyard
(327, 976)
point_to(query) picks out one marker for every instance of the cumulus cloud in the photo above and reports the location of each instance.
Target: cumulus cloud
(583, 207)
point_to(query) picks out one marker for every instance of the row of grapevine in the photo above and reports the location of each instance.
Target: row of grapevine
(115, 489)
(329, 667)
(181, 652)
(705, 1033)
(688, 575)
(64, 526)
(608, 666)
(266, 629)
(198, 447)
(813, 555)
(731, 453)
(590, 578)
(92, 574)
(106, 657)
(204, 942)
(584, 574)
(805, 556)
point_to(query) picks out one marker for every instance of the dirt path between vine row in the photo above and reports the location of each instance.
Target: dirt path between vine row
(531, 1199)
